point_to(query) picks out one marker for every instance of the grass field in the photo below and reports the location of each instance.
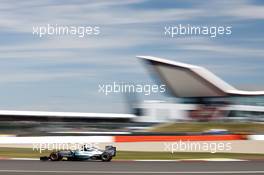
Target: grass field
(234, 127)
(127, 155)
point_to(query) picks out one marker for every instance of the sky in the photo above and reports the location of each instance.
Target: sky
(62, 73)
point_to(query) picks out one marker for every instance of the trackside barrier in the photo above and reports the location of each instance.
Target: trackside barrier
(177, 138)
(255, 137)
(121, 138)
(56, 139)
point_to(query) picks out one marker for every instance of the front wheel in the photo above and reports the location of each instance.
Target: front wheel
(44, 158)
(106, 157)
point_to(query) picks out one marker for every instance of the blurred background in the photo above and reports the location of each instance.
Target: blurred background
(62, 73)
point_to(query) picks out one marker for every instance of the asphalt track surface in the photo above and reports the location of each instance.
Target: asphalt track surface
(30, 167)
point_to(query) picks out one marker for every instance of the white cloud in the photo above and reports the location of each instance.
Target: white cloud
(34, 76)
(247, 12)
(226, 49)
(233, 10)
(21, 17)
(126, 31)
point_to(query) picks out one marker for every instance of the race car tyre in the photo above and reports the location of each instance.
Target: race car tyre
(70, 159)
(44, 158)
(54, 156)
(106, 157)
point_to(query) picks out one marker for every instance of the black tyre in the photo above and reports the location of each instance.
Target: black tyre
(70, 159)
(55, 156)
(106, 157)
(44, 158)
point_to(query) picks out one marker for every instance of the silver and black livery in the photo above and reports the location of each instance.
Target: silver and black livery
(86, 153)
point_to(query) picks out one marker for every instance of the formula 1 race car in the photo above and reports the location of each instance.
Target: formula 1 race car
(86, 153)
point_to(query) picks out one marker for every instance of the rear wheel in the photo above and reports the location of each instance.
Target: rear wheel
(70, 159)
(55, 156)
(106, 157)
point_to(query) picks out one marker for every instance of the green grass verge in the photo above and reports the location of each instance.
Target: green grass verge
(126, 155)
(21, 153)
(131, 155)
(235, 127)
